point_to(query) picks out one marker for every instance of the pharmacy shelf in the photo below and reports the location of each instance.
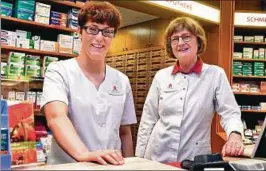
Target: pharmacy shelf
(254, 111)
(21, 80)
(36, 24)
(259, 77)
(37, 52)
(251, 60)
(250, 94)
(66, 3)
(251, 43)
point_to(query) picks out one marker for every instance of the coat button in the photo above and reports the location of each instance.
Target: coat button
(181, 98)
(185, 77)
(184, 88)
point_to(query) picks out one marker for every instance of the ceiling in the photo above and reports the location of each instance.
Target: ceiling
(131, 17)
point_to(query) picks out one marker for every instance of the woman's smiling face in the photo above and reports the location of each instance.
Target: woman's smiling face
(184, 45)
(96, 45)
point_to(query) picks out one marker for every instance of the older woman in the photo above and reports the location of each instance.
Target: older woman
(89, 105)
(178, 111)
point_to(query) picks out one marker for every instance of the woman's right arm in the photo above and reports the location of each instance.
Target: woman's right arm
(63, 130)
(149, 118)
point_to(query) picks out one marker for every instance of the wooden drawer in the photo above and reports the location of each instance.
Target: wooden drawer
(132, 81)
(142, 61)
(140, 100)
(130, 74)
(142, 93)
(156, 60)
(157, 53)
(143, 55)
(142, 67)
(142, 80)
(142, 74)
(119, 58)
(109, 59)
(156, 66)
(130, 68)
(141, 87)
(122, 69)
(130, 62)
(130, 56)
(119, 64)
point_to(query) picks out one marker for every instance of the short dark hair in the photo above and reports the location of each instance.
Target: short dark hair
(99, 12)
(185, 23)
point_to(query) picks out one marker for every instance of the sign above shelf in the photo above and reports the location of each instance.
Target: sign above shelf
(250, 19)
(191, 7)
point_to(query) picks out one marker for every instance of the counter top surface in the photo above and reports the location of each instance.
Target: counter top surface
(132, 163)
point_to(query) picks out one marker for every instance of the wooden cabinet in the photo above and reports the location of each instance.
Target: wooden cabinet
(143, 35)
(249, 76)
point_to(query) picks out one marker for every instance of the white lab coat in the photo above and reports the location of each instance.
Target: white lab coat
(178, 111)
(95, 114)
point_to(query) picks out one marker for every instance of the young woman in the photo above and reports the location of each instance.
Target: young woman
(89, 105)
(178, 111)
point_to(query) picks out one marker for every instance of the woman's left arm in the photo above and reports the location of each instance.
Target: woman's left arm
(227, 107)
(126, 140)
(129, 117)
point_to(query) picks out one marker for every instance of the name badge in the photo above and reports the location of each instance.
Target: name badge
(170, 88)
(115, 91)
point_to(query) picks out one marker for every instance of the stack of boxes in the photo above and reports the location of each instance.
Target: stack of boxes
(76, 43)
(6, 9)
(23, 39)
(42, 13)
(47, 45)
(65, 43)
(259, 69)
(46, 61)
(58, 18)
(247, 69)
(73, 18)
(261, 53)
(27, 66)
(15, 65)
(32, 66)
(24, 9)
(249, 52)
(8, 38)
(237, 68)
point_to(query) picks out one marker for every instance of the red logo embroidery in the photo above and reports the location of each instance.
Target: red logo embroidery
(114, 88)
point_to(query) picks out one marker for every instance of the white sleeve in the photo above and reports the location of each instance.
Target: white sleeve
(129, 114)
(55, 87)
(149, 118)
(226, 106)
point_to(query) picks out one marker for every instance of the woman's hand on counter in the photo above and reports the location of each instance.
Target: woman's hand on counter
(104, 157)
(234, 146)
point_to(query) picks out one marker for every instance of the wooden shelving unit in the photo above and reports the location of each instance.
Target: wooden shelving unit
(66, 3)
(259, 77)
(251, 60)
(254, 111)
(250, 93)
(37, 52)
(36, 24)
(251, 43)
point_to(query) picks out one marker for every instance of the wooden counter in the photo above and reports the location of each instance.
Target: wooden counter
(133, 163)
